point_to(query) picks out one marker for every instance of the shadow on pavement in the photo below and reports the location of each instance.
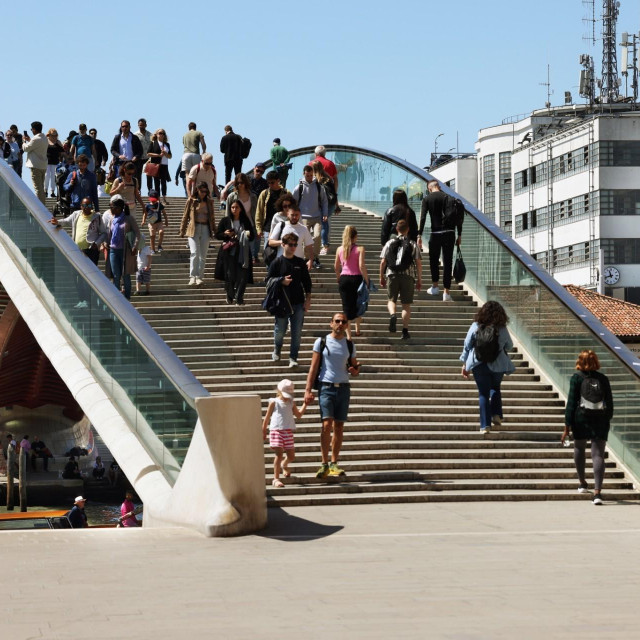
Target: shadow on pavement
(283, 526)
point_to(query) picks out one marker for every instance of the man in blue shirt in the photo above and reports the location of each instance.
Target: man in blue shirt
(333, 360)
(83, 143)
(81, 183)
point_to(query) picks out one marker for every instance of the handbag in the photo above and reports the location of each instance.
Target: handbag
(152, 170)
(459, 270)
(229, 244)
(107, 186)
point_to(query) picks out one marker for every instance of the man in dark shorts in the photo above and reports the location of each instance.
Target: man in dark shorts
(333, 360)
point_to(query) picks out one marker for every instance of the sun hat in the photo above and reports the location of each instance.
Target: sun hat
(285, 387)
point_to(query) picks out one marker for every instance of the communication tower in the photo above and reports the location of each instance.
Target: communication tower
(610, 83)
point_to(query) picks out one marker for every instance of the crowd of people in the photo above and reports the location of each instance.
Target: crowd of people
(292, 228)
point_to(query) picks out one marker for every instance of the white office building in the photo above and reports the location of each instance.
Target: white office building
(565, 183)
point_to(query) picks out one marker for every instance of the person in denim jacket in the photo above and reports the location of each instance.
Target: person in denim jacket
(488, 375)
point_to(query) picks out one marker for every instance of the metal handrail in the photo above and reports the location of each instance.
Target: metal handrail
(155, 347)
(602, 334)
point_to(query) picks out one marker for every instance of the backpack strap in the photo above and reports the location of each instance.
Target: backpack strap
(300, 192)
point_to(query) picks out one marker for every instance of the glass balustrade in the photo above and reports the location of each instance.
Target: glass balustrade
(152, 389)
(547, 321)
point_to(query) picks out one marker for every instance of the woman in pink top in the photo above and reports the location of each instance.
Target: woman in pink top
(350, 270)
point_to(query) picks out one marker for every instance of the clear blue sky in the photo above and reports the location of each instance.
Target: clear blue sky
(387, 75)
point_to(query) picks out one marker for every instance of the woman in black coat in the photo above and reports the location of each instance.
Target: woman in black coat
(399, 211)
(233, 264)
(159, 153)
(588, 414)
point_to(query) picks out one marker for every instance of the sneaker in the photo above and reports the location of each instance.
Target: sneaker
(446, 297)
(335, 470)
(393, 320)
(405, 334)
(324, 251)
(583, 490)
(275, 356)
(485, 430)
(81, 305)
(137, 293)
(316, 263)
(292, 363)
(497, 420)
(199, 281)
(146, 293)
(159, 249)
(152, 252)
(192, 280)
(597, 500)
(433, 291)
(323, 471)
(240, 303)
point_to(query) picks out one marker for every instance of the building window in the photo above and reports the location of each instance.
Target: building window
(620, 202)
(619, 153)
(621, 250)
(451, 183)
(505, 189)
(489, 191)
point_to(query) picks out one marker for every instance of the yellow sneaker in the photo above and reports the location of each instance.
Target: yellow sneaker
(323, 471)
(335, 470)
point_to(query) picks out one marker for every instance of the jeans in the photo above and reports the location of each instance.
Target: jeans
(296, 320)
(489, 395)
(50, 179)
(116, 258)
(324, 235)
(198, 245)
(445, 243)
(315, 228)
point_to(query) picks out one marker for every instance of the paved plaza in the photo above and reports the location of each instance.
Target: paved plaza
(460, 571)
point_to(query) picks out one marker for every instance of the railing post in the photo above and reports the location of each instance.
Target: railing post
(11, 460)
(22, 477)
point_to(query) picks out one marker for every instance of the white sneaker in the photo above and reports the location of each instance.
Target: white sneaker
(597, 500)
(199, 281)
(485, 430)
(583, 490)
(324, 251)
(292, 363)
(192, 280)
(446, 297)
(433, 291)
(275, 356)
(81, 305)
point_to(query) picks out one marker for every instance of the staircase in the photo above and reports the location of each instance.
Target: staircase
(413, 430)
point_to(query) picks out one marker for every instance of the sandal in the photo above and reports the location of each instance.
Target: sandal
(277, 483)
(286, 473)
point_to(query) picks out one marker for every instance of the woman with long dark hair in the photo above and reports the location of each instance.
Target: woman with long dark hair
(351, 270)
(399, 211)
(233, 264)
(588, 415)
(160, 153)
(126, 185)
(485, 355)
(242, 191)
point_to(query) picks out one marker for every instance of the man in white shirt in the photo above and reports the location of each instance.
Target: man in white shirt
(145, 140)
(305, 243)
(203, 172)
(36, 150)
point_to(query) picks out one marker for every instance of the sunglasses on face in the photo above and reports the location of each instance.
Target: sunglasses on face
(208, 164)
(292, 244)
(258, 171)
(286, 206)
(340, 321)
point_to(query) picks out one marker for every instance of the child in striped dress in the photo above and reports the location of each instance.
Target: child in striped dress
(280, 419)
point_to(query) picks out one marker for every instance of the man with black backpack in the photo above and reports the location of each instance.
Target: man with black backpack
(401, 273)
(312, 200)
(447, 215)
(296, 283)
(333, 361)
(231, 147)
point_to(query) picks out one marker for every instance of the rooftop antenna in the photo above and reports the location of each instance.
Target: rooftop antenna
(610, 90)
(591, 7)
(629, 45)
(547, 84)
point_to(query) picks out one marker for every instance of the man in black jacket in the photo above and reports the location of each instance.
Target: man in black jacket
(296, 283)
(102, 156)
(442, 239)
(231, 146)
(126, 146)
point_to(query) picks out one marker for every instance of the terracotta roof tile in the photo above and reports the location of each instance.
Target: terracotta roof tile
(621, 318)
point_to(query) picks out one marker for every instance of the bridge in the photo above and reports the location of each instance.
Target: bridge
(176, 382)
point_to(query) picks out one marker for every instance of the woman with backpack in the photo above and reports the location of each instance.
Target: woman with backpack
(485, 355)
(399, 211)
(326, 181)
(588, 414)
